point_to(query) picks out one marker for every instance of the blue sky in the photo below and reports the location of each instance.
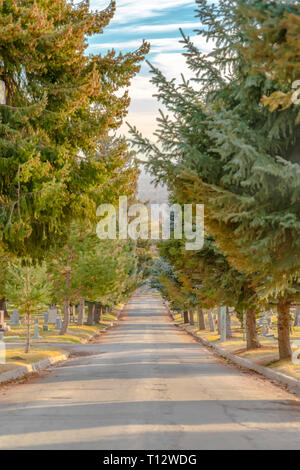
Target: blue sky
(158, 22)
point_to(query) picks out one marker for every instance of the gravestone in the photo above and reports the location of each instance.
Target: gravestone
(45, 328)
(265, 329)
(2, 322)
(1, 335)
(212, 326)
(223, 326)
(36, 332)
(2, 92)
(52, 315)
(58, 323)
(15, 319)
(46, 317)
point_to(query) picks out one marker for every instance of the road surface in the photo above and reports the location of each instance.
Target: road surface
(148, 385)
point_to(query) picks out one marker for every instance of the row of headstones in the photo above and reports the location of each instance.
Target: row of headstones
(264, 322)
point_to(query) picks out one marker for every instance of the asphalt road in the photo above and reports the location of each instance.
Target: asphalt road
(148, 385)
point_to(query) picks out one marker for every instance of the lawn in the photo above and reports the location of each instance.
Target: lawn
(267, 355)
(75, 334)
(16, 357)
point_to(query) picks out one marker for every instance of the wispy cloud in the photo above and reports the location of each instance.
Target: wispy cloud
(157, 28)
(158, 45)
(133, 10)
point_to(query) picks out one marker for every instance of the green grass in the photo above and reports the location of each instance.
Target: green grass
(75, 334)
(16, 357)
(267, 355)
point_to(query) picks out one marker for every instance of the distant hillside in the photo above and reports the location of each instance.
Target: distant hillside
(148, 192)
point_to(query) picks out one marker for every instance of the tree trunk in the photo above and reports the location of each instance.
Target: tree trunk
(251, 330)
(27, 347)
(284, 343)
(185, 317)
(3, 307)
(212, 326)
(228, 324)
(297, 317)
(91, 310)
(80, 320)
(200, 317)
(97, 314)
(191, 315)
(66, 320)
(219, 320)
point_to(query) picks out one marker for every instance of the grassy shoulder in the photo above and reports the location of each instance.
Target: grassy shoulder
(267, 355)
(15, 357)
(75, 333)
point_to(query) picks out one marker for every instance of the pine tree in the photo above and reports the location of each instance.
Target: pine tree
(99, 272)
(274, 50)
(221, 147)
(214, 283)
(61, 103)
(29, 288)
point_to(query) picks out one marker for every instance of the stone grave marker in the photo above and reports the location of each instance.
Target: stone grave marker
(52, 315)
(36, 332)
(58, 323)
(212, 325)
(15, 318)
(2, 322)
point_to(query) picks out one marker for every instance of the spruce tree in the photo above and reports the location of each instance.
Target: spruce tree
(28, 287)
(221, 147)
(61, 103)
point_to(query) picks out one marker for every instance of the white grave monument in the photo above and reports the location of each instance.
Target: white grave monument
(52, 315)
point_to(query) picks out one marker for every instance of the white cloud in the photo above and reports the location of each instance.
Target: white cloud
(157, 28)
(132, 10)
(158, 45)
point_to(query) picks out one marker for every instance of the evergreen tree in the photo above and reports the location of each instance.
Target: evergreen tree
(88, 269)
(224, 149)
(61, 103)
(274, 50)
(214, 282)
(29, 288)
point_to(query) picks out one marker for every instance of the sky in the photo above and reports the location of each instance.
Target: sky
(158, 22)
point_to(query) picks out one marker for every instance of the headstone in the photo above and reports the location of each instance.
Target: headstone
(58, 323)
(2, 322)
(15, 319)
(36, 332)
(52, 315)
(212, 326)
(46, 317)
(2, 92)
(1, 335)
(45, 328)
(223, 324)
(265, 330)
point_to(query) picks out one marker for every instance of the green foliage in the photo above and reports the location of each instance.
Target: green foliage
(274, 50)
(222, 149)
(28, 287)
(102, 271)
(55, 158)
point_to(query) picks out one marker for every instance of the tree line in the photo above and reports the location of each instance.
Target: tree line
(229, 138)
(60, 157)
